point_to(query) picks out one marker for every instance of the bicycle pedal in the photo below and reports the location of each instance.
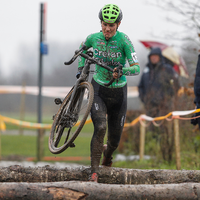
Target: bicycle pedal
(72, 145)
(53, 117)
(58, 101)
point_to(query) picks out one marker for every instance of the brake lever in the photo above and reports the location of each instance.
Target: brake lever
(81, 49)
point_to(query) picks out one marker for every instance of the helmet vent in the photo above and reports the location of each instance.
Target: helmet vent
(116, 9)
(114, 13)
(108, 7)
(106, 12)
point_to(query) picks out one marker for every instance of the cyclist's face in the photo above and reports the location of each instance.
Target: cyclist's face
(109, 29)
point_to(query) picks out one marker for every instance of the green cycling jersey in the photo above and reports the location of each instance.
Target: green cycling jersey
(116, 50)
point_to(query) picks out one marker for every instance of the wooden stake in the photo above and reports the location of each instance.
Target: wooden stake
(177, 143)
(22, 107)
(40, 144)
(142, 141)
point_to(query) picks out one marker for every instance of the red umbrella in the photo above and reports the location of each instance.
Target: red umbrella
(170, 54)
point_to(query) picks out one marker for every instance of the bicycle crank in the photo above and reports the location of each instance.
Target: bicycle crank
(72, 145)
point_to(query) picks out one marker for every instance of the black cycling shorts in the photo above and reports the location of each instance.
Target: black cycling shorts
(110, 102)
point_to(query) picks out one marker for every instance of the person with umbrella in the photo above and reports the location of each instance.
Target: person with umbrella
(158, 84)
(158, 87)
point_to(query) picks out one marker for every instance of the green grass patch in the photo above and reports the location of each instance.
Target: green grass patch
(18, 145)
(188, 162)
(26, 145)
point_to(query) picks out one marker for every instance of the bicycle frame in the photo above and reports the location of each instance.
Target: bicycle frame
(83, 77)
(85, 72)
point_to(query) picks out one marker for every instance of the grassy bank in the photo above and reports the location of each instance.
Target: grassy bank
(25, 145)
(189, 161)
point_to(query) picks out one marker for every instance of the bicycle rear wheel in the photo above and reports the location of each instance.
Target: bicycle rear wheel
(71, 118)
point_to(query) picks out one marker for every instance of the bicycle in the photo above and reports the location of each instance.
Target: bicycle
(75, 108)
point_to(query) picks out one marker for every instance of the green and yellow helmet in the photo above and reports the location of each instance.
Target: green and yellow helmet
(110, 13)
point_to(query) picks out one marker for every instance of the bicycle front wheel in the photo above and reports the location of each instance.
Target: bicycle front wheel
(71, 118)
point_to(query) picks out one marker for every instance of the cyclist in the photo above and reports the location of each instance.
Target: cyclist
(113, 48)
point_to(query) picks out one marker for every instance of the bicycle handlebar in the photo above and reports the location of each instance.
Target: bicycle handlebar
(77, 53)
(93, 61)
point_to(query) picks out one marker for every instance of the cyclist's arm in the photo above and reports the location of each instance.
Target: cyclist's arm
(130, 53)
(81, 60)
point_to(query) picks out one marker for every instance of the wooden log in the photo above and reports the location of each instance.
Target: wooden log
(109, 175)
(72, 190)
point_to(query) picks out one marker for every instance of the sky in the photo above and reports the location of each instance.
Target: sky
(71, 21)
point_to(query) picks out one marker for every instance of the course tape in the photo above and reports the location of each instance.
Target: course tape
(25, 124)
(170, 116)
(141, 119)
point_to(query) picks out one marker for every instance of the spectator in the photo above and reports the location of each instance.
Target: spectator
(157, 90)
(197, 93)
(158, 85)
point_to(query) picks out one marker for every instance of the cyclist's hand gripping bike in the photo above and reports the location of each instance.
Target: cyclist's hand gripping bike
(75, 107)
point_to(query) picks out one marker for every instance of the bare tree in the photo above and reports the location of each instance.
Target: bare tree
(185, 13)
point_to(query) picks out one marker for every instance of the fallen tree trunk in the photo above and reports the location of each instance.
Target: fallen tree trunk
(72, 190)
(109, 175)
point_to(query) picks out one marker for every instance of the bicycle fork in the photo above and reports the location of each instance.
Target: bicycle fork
(83, 77)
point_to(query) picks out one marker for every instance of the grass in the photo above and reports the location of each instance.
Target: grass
(25, 145)
(18, 144)
(188, 162)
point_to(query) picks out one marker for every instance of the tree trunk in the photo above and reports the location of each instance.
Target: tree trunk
(108, 175)
(72, 190)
